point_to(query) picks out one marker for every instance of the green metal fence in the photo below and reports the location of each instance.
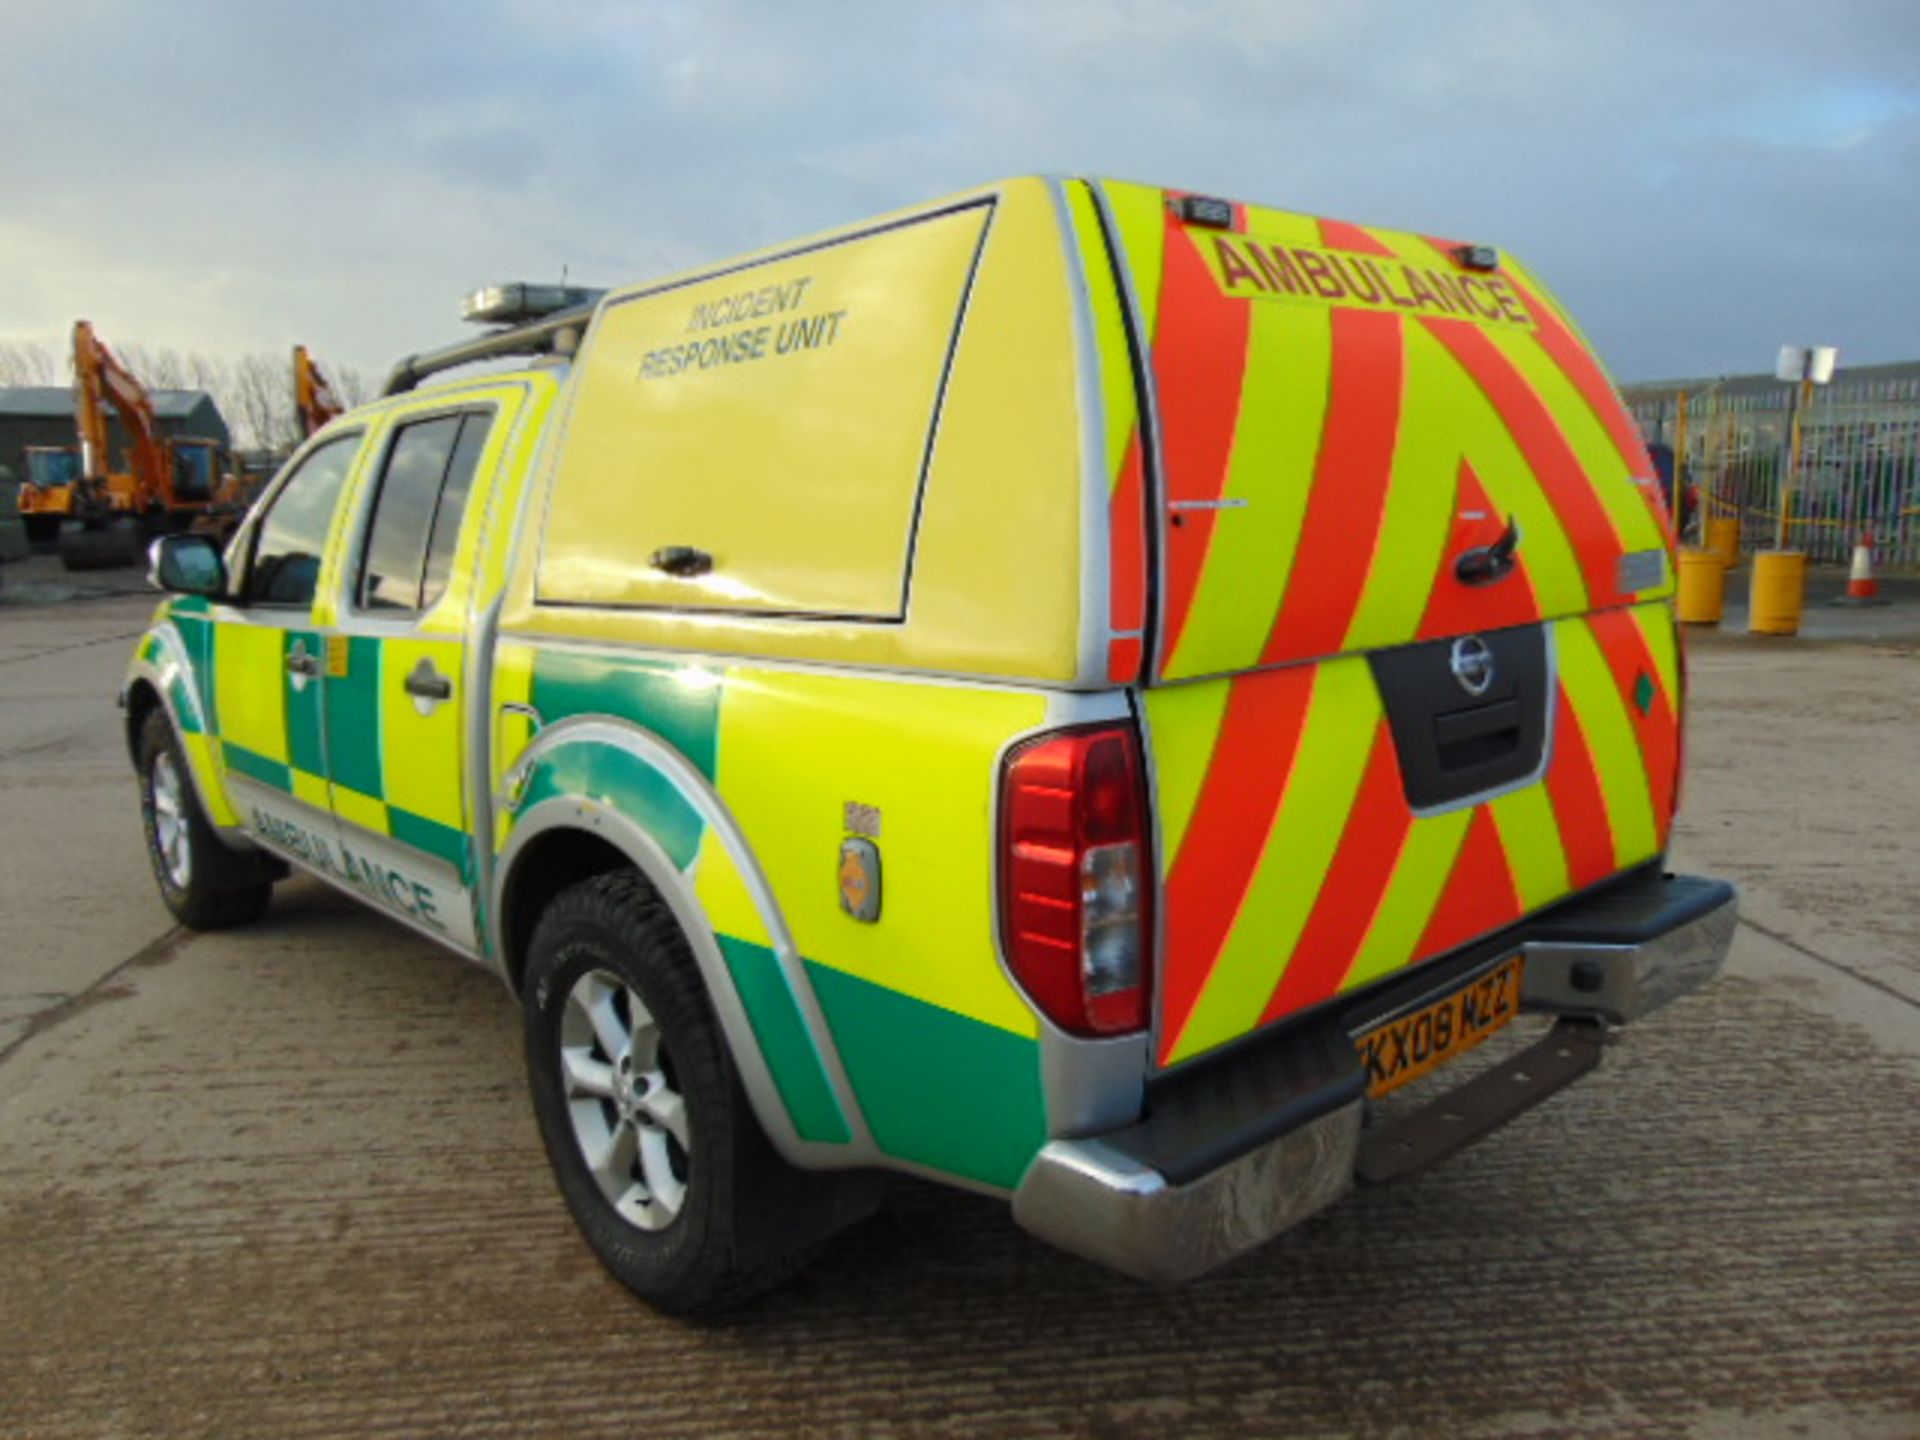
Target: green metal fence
(1859, 470)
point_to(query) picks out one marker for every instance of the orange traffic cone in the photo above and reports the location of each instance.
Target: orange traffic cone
(1860, 582)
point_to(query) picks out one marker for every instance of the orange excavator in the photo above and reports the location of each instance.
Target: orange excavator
(105, 517)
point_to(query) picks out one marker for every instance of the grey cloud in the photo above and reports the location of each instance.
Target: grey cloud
(1699, 182)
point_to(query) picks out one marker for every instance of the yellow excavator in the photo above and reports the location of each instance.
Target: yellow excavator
(105, 516)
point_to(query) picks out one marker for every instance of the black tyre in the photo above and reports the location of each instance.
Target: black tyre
(205, 884)
(653, 1143)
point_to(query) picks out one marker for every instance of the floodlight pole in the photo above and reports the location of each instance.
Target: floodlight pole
(1802, 397)
(1806, 366)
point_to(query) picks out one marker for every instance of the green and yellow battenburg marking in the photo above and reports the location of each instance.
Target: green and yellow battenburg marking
(908, 1002)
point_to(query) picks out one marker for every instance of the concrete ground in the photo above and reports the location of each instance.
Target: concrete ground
(285, 1182)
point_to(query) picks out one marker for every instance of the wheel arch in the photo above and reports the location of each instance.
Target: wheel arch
(160, 679)
(559, 841)
(142, 699)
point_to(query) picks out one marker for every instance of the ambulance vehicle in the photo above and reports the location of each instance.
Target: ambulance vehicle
(1076, 690)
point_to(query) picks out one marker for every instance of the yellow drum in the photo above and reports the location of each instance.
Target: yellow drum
(1703, 587)
(1779, 591)
(1723, 538)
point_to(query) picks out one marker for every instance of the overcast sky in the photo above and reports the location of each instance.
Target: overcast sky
(1699, 181)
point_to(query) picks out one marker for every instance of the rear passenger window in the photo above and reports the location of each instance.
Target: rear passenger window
(416, 514)
(453, 504)
(293, 533)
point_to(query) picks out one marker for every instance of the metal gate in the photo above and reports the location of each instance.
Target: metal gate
(1859, 471)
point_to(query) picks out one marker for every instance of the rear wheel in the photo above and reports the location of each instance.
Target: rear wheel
(206, 885)
(653, 1143)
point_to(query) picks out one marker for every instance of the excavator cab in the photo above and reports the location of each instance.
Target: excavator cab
(47, 494)
(197, 471)
(51, 466)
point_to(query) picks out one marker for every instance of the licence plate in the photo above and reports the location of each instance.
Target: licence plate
(1401, 1051)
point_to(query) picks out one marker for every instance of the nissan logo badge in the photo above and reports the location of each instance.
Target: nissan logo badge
(1472, 664)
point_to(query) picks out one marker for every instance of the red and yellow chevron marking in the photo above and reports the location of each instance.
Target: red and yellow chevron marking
(1295, 869)
(1324, 389)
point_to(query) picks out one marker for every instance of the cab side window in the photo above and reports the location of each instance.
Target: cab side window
(293, 533)
(416, 513)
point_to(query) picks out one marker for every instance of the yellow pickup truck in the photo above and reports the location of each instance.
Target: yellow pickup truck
(1076, 690)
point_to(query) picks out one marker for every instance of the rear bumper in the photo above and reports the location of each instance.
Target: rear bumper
(1233, 1151)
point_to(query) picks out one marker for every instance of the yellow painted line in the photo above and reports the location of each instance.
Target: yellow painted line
(1109, 330)
(1426, 860)
(1276, 445)
(1299, 849)
(1609, 732)
(1184, 722)
(1530, 836)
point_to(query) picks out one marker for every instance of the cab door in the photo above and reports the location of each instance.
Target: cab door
(259, 660)
(396, 670)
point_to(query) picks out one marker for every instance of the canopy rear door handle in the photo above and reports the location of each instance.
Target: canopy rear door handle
(299, 662)
(427, 686)
(1485, 564)
(682, 560)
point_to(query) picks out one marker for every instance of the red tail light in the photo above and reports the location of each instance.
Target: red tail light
(1076, 880)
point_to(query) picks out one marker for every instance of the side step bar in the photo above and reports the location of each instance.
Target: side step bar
(1467, 1113)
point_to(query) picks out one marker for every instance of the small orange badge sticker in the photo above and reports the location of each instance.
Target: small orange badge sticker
(860, 879)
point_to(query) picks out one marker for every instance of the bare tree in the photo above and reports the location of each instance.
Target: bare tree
(28, 362)
(254, 392)
(261, 402)
(350, 385)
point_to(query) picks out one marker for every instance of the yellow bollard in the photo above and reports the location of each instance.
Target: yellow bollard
(1779, 591)
(1723, 538)
(1703, 587)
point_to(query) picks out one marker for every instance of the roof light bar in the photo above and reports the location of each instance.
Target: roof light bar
(518, 303)
(1477, 257)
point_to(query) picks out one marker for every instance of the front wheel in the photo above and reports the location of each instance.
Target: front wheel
(655, 1148)
(206, 885)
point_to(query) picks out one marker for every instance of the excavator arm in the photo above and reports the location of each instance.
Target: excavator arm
(98, 380)
(313, 397)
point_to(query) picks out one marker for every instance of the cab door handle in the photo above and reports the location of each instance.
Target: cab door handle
(427, 686)
(299, 662)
